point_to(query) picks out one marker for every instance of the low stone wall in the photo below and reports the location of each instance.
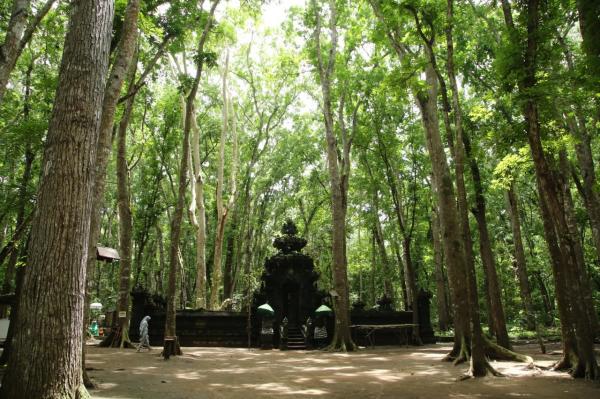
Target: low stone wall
(204, 328)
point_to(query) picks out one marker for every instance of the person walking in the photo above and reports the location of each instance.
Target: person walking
(144, 339)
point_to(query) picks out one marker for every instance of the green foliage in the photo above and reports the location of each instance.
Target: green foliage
(275, 88)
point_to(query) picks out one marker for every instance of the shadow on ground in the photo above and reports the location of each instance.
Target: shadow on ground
(389, 372)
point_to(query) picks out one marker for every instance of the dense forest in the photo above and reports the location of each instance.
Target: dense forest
(437, 145)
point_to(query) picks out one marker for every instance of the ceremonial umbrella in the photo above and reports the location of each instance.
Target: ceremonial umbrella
(323, 310)
(265, 310)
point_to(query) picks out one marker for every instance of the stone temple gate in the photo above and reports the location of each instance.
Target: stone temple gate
(289, 281)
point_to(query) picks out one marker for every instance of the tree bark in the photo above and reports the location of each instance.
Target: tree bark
(578, 353)
(378, 234)
(449, 220)
(221, 210)
(125, 218)
(170, 325)
(440, 278)
(228, 275)
(48, 340)
(578, 127)
(519, 253)
(338, 179)
(112, 90)
(198, 217)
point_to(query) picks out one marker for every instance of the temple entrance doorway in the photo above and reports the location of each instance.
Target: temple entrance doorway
(291, 303)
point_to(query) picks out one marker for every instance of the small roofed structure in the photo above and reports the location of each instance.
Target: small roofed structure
(106, 254)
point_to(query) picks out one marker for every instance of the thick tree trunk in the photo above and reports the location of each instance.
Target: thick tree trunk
(577, 246)
(48, 340)
(454, 250)
(520, 262)
(493, 286)
(440, 278)
(560, 242)
(578, 127)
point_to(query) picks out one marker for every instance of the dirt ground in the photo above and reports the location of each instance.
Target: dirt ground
(383, 372)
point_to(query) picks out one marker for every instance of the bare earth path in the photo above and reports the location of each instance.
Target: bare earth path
(389, 372)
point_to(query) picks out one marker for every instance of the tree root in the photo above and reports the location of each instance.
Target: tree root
(464, 353)
(492, 351)
(342, 347)
(587, 370)
(82, 393)
(114, 340)
(497, 352)
(488, 369)
(563, 364)
(453, 354)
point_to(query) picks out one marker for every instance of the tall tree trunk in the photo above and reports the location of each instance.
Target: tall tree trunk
(410, 275)
(378, 234)
(388, 289)
(170, 325)
(463, 147)
(402, 272)
(577, 246)
(124, 55)
(449, 220)
(440, 278)
(161, 260)
(520, 262)
(222, 209)
(198, 216)
(125, 218)
(338, 179)
(228, 275)
(579, 352)
(48, 340)
(578, 128)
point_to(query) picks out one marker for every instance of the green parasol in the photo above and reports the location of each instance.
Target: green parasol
(265, 310)
(323, 310)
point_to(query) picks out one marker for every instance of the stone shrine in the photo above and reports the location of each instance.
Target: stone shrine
(289, 282)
